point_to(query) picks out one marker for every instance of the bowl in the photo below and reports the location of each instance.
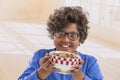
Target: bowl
(64, 60)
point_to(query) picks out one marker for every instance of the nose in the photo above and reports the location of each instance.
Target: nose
(65, 38)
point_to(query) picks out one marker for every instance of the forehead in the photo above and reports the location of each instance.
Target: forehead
(72, 27)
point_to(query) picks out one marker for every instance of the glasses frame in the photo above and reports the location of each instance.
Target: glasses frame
(65, 33)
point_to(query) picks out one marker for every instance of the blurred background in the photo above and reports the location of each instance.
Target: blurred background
(23, 32)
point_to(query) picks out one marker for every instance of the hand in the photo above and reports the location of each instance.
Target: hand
(46, 67)
(76, 73)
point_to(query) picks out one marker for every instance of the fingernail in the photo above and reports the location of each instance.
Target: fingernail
(72, 68)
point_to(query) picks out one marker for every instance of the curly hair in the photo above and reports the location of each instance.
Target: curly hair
(66, 15)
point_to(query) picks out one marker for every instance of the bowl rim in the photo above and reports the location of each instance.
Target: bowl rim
(65, 52)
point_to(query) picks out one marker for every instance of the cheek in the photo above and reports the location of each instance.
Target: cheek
(76, 44)
(56, 41)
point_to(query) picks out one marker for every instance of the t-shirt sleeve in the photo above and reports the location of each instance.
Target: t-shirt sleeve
(87, 78)
(31, 72)
(93, 70)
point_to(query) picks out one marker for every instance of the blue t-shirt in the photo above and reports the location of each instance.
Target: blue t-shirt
(90, 68)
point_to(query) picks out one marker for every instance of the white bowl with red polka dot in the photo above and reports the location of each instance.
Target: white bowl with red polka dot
(64, 60)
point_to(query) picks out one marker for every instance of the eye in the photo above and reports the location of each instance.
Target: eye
(73, 36)
(59, 34)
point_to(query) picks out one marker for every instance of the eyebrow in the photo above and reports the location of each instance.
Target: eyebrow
(70, 32)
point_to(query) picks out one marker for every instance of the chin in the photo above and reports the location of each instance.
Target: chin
(64, 49)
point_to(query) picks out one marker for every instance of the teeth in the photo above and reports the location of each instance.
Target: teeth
(66, 46)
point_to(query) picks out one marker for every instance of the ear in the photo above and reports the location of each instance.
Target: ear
(79, 44)
(52, 36)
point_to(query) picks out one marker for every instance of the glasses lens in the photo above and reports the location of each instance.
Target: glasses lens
(73, 36)
(59, 34)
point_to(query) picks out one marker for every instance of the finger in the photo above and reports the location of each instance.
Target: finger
(47, 55)
(46, 65)
(75, 69)
(81, 61)
(50, 66)
(56, 69)
(42, 60)
(76, 65)
(69, 71)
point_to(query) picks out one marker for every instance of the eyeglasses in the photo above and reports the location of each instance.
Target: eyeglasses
(71, 35)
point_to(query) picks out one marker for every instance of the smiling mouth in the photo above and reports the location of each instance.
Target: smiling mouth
(65, 47)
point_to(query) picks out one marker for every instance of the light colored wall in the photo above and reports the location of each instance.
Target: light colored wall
(12, 65)
(104, 17)
(35, 11)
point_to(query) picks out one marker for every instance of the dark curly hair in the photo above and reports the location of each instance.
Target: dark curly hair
(65, 15)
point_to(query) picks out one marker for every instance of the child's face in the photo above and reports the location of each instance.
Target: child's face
(65, 43)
